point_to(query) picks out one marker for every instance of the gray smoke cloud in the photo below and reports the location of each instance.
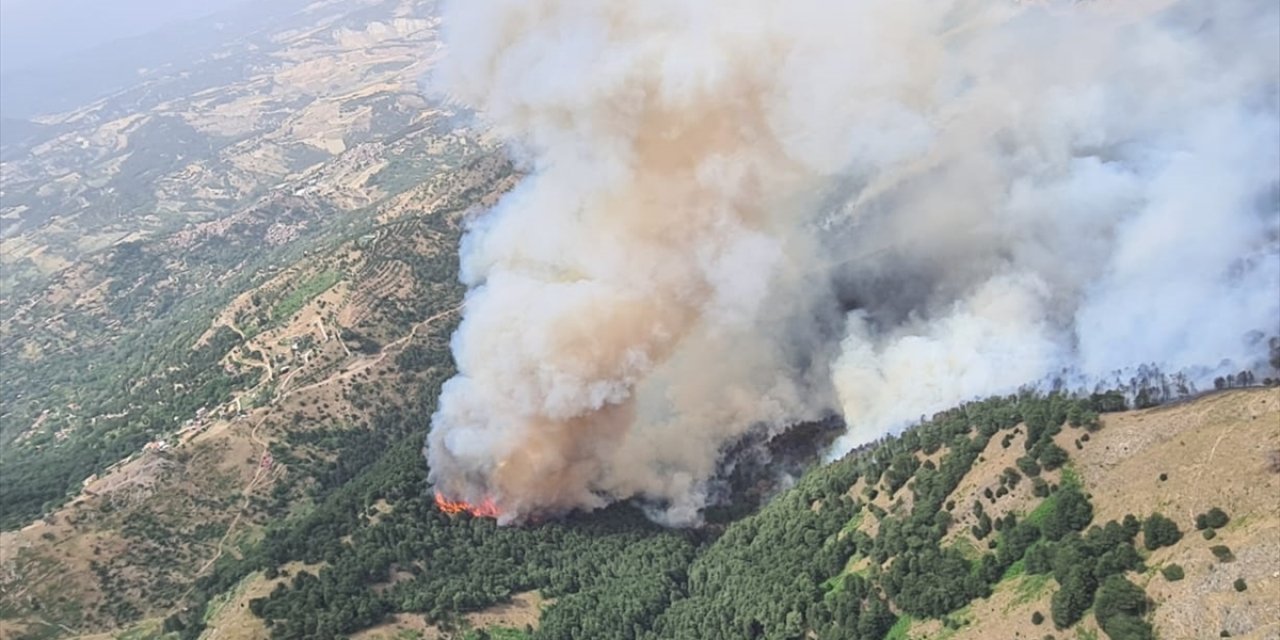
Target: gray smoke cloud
(742, 215)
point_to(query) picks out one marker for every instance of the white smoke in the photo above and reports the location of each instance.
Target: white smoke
(740, 215)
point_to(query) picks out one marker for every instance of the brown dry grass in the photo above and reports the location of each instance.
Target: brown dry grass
(1215, 451)
(217, 461)
(232, 619)
(52, 559)
(984, 475)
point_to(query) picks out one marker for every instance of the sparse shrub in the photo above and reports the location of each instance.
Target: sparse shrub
(1039, 559)
(1053, 456)
(1029, 466)
(1160, 531)
(1037, 618)
(983, 527)
(1239, 584)
(1120, 608)
(1128, 627)
(1163, 477)
(1217, 518)
(1173, 573)
(1222, 552)
(1131, 525)
(1209, 534)
(1071, 512)
(1073, 597)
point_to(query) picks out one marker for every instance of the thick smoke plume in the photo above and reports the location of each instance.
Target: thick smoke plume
(744, 214)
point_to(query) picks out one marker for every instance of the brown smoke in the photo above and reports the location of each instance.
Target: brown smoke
(713, 185)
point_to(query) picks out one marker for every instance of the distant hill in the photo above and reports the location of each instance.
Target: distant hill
(33, 31)
(68, 77)
(16, 133)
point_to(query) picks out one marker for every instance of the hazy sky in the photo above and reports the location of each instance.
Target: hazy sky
(35, 31)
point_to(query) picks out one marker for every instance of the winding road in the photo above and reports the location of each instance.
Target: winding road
(264, 472)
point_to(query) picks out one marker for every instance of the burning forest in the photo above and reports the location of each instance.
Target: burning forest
(484, 509)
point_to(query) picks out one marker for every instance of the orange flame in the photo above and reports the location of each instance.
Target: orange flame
(486, 509)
